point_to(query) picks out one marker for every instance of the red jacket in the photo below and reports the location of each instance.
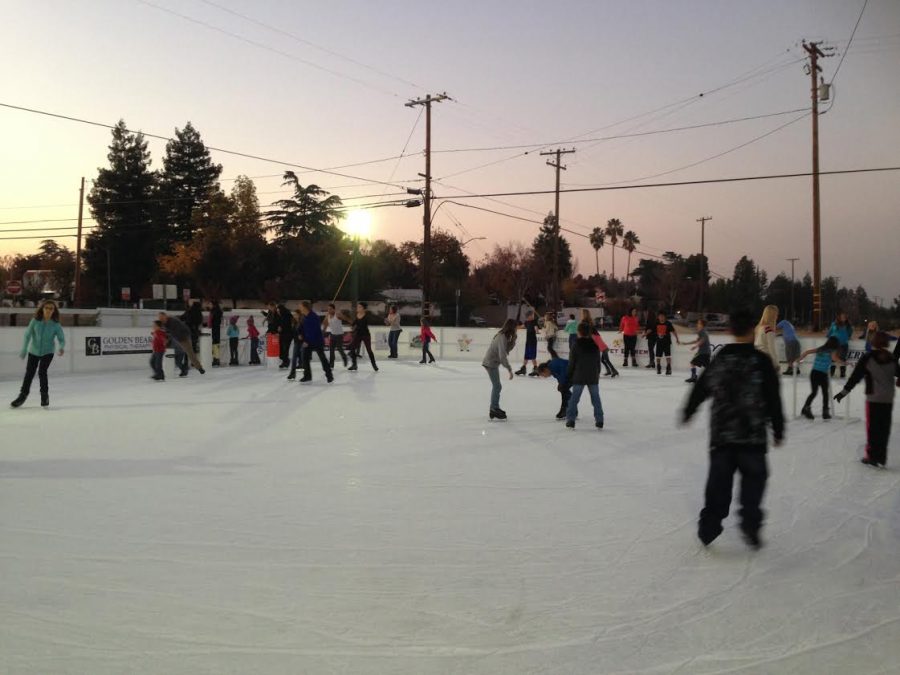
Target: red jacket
(601, 345)
(425, 332)
(159, 341)
(629, 325)
(252, 332)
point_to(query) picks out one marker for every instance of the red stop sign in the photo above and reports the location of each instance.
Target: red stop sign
(14, 287)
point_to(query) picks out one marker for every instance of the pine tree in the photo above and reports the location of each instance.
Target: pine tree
(122, 250)
(542, 251)
(190, 181)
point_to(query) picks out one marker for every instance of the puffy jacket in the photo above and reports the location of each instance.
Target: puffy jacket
(880, 371)
(584, 362)
(312, 330)
(39, 337)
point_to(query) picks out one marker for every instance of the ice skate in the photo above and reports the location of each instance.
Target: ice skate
(668, 370)
(496, 413)
(45, 400)
(807, 413)
(826, 415)
(521, 371)
(20, 399)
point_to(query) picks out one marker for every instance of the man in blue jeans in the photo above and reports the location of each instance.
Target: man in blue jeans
(584, 371)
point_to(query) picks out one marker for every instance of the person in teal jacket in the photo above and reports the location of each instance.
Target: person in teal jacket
(39, 346)
(843, 331)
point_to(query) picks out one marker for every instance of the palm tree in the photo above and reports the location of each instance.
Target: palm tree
(629, 243)
(614, 231)
(597, 239)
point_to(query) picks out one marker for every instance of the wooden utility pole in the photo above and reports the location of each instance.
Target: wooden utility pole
(792, 261)
(426, 216)
(812, 49)
(78, 246)
(559, 167)
(702, 220)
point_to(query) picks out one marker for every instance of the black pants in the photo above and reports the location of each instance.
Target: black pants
(233, 348)
(336, 342)
(565, 393)
(843, 350)
(750, 460)
(630, 349)
(878, 430)
(426, 351)
(195, 338)
(254, 350)
(651, 347)
(604, 360)
(37, 364)
(307, 360)
(284, 348)
(551, 342)
(355, 346)
(297, 359)
(156, 362)
(818, 380)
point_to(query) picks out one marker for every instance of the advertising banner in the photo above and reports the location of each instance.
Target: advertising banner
(109, 345)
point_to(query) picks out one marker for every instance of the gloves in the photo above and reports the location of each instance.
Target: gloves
(840, 395)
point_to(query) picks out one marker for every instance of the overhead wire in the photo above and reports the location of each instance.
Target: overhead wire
(849, 42)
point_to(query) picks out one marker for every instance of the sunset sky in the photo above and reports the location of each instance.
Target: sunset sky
(324, 85)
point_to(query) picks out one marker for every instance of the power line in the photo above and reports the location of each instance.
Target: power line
(849, 42)
(208, 147)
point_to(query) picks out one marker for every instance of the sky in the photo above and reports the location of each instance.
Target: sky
(324, 85)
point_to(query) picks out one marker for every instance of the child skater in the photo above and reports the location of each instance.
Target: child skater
(558, 368)
(882, 374)
(233, 335)
(650, 335)
(745, 396)
(426, 336)
(253, 336)
(571, 330)
(604, 353)
(664, 332)
(818, 376)
(584, 371)
(842, 330)
(159, 350)
(791, 345)
(42, 331)
(498, 355)
(550, 330)
(628, 327)
(704, 351)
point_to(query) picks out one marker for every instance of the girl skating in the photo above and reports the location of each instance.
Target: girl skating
(498, 355)
(426, 335)
(42, 331)
(826, 355)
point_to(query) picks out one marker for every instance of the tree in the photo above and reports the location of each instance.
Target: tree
(542, 255)
(189, 181)
(61, 261)
(506, 274)
(122, 249)
(449, 264)
(748, 285)
(651, 276)
(310, 214)
(597, 239)
(629, 242)
(614, 230)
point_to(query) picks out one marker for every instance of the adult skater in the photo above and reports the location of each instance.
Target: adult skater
(42, 331)
(765, 332)
(826, 355)
(215, 329)
(842, 330)
(193, 317)
(426, 335)
(361, 336)
(550, 330)
(628, 327)
(704, 350)
(313, 341)
(791, 345)
(498, 355)
(297, 346)
(746, 398)
(392, 321)
(180, 335)
(334, 328)
(650, 335)
(664, 332)
(530, 325)
(882, 375)
(559, 369)
(584, 371)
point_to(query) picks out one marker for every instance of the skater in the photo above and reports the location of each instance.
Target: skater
(193, 317)
(253, 336)
(297, 346)
(42, 331)
(664, 332)
(584, 371)
(233, 334)
(426, 335)
(334, 328)
(180, 335)
(826, 355)
(745, 396)
(313, 341)
(791, 345)
(498, 355)
(559, 369)
(764, 334)
(871, 330)
(158, 345)
(628, 327)
(361, 336)
(215, 329)
(842, 330)
(392, 320)
(604, 353)
(650, 335)
(530, 325)
(704, 351)
(882, 374)
(550, 330)
(571, 330)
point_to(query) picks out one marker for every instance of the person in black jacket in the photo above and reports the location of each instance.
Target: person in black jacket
(584, 371)
(193, 317)
(215, 328)
(361, 336)
(743, 385)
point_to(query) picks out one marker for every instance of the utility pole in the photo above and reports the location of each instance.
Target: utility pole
(426, 217)
(702, 220)
(559, 167)
(812, 49)
(78, 246)
(792, 261)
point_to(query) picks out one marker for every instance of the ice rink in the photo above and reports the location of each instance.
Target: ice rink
(239, 523)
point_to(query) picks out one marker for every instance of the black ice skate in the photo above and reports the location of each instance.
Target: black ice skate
(20, 399)
(807, 413)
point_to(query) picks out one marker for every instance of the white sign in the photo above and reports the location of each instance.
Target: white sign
(112, 345)
(165, 291)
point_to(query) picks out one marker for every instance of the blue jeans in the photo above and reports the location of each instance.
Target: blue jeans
(494, 374)
(572, 338)
(393, 341)
(594, 390)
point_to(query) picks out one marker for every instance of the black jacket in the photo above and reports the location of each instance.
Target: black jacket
(215, 322)
(584, 362)
(745, 396)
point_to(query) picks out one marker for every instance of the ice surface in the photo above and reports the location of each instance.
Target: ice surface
(240, 523)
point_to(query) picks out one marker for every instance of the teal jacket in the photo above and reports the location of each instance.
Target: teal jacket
(39, 337)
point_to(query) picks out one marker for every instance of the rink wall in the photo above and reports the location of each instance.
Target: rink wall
(90, 349)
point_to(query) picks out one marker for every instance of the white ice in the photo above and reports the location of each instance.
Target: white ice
(239, 523)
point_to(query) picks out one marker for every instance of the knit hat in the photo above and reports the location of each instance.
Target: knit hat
(233, 319)
(249, 320)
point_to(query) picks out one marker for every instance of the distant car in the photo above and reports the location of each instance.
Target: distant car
(477, 321)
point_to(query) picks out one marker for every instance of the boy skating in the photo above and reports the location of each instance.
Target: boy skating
(558, 368)
(704, 350)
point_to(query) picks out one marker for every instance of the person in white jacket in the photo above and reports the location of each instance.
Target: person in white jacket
(764, 335)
